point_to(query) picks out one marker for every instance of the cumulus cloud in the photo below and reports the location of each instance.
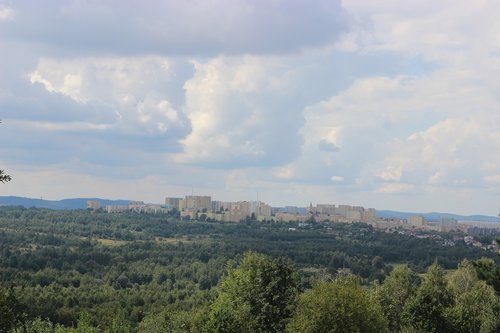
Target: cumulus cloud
(443, 132)
(6, 13)
(449, 153)
(93, 113)
(337, 178)
(241, 114)
(391, 173)
(133, 93)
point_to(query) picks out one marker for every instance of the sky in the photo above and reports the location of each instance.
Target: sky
(380, 103)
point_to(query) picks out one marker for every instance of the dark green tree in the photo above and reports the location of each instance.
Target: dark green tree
(393, 294)
(171, 319)
(488, 271)
(426, 310)
(476, 308)
(9, 310)
(339, 306)
(37, 325)
(257, 296)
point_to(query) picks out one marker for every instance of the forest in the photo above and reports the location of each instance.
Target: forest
(89, 271)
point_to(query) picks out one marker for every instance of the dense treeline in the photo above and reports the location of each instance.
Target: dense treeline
(265, 295)
(128, 272)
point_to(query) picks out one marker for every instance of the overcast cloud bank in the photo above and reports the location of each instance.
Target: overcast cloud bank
(376, 103)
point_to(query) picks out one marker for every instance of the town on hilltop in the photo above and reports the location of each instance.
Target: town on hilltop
(203, 208)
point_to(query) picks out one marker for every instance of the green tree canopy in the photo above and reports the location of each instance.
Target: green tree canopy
(393, 294)
(9, 310)
(257, 296)
(488, 271)
(426, 310)
(476, 308)
(171, 320)
(342, 305)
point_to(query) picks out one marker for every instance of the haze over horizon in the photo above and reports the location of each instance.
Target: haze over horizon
(386, 104)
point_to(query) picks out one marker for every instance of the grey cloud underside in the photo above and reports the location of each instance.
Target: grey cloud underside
(177, 27)
(105, 148)
(328, 146)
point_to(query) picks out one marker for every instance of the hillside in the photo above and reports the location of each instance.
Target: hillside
(76, 203)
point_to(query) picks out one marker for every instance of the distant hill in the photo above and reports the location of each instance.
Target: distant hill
(77, 203)
(437, 216)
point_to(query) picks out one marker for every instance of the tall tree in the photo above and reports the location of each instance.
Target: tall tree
(9, 310)
(463, 279)
(476, 308)
(393, 294)
(342, 305)
(488, 271)
(426, 310)
(258, 296)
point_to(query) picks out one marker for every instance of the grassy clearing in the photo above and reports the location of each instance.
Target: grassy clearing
(111, 242)
(172, 240)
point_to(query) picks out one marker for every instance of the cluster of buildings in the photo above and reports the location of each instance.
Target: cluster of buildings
(133, 206)
(418, 222)
(196, 207)
(471, 241)
(327, 213)
(203, 207)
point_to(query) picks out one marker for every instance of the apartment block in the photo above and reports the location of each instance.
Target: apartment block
(369, 215)
(263, 211)
(416, 221)
(325, 209)
(196, 203)
(287, 217)
(172, 202)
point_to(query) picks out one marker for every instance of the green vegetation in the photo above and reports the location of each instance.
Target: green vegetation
(258, 296)
(81, 271)
(342, 305)
(394, 293)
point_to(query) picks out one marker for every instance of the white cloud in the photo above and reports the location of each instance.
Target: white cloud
(396, 188)
(240, 113)
(131, 88)
(61, 126)
(391, 173)
(465, 27)
(6, 13)
(450, 152)
(495, 179)
(439, 129)
(70, 85)
(285, 172)
(437, 177)
(337, 178)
